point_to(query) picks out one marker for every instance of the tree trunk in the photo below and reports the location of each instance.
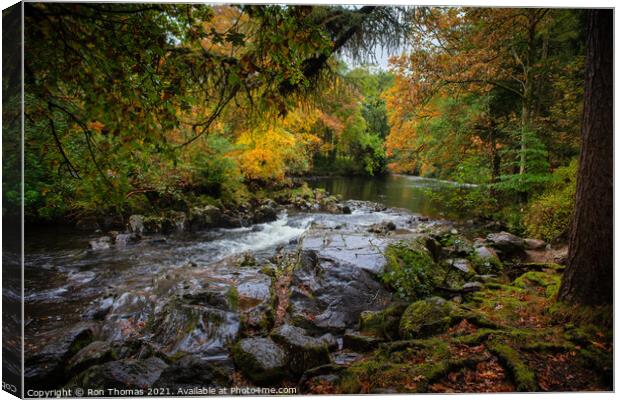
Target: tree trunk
(588, 278)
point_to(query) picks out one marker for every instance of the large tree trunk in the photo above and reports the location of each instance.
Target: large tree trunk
(588, 278)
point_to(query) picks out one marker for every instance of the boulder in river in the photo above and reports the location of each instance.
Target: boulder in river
(382, 227)
(204, 217)
(178, 221)
(261, 360)
(102, 243)
(265, 213)
(122, 239)
(136, 224)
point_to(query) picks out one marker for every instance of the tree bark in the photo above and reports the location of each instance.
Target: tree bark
(588, 278)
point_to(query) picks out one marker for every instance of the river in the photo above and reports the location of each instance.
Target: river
(130, 292)
(419, 195)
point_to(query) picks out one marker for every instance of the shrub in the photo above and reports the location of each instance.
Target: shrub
(548, 216)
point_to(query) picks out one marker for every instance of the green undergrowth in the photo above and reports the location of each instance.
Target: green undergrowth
(515, 329)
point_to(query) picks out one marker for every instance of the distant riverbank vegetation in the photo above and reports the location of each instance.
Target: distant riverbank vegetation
(131, 108)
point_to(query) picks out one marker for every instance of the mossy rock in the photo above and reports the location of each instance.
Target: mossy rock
(357, 341)
(261, 360)
(383, 323)
(485, 261)
(410, 270)
(427, 317)
(305, 352)
(549, 281)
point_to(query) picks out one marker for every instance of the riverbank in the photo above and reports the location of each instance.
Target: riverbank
(322, 300)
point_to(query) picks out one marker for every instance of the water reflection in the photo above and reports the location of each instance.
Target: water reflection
(419, 195)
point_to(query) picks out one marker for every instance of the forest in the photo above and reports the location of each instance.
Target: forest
(179, 123)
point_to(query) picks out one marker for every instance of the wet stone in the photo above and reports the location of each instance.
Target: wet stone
(261, 360)
(102, 243)
(328, 295)
(305, 352)
(122, 374)
(191, 372)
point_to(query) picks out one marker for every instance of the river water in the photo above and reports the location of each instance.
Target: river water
(419, 195)
(133, 286)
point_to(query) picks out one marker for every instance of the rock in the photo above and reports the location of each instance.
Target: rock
(45, 367)
(121, 374)
(122, 239)
(102, 243)
(100, 309)
(507, 243)
(329, 295)
(410, 270)
(382, 227)
(463, 265)
(360, 342)
(265, 213)
(330, 204)
(362, 250)
(126, 315)
(155, 224)
(432, 245)
(247, 260)
(178, 221)
(204, 217)
(192, 328)
(473, 287)
(382, 323)
(425, 318)
(562, 257)
(330, 341)
(190, 372)
(486, 261)
(345, 209)
(305, 352)
(322, 373)
(136, 224)
(534, 244)
(455, 245)
(261, 360)
(95, 353)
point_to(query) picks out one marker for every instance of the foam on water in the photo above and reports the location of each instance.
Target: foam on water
(252, 239)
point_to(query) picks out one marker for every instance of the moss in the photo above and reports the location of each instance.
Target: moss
(382, 323)
(524, 377)
(478, 337)
(233, 297)
(426, 317)
(485, 265)
(410, 270)
(500, 286)
(438, 347)
(549, 281)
